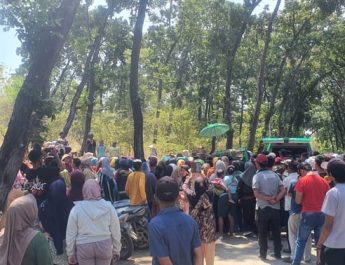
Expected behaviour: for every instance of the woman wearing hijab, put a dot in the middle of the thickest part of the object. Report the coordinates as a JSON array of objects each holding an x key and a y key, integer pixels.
[
  {"x": 202, "y": 212},
  {"x": 220, "y": 165},
  {"x": 106, "y": 180},
  {"x": 19, "y": 242},
  {"x": 53, "y": 214},
  {"x": 77, "y": 182},
  {"x": 87, "y": 170},
  {"x": 93, "y": 234}
]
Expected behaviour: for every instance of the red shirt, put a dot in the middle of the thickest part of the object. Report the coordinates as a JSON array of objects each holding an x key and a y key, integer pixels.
[{"x": 314, "y": 189}]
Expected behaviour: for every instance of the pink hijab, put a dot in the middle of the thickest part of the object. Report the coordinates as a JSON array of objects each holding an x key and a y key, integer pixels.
[
  {"x": 91, "y": 190},
  {"x": 18, "y": 232}
]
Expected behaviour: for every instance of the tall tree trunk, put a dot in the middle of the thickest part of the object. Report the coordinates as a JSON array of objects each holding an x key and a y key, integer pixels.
[
  {"x": 133, "y": 83},
  {"x": 28, "y": 109},
  {"x": 229, "y": 74},
  {"x": 61, "y": 78},
  {"x": 158, "y": 111},
  {"x": 91, "y": 57},
  {"x": 89, "y": 106},
  {"x": 261, "y": 79}
]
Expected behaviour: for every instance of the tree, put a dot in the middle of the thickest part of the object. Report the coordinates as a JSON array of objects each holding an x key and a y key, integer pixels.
[
  {"x": 133, "y": 85},
  {"x": 261, "y": 78},
  {"x": 32, "y": 101}
]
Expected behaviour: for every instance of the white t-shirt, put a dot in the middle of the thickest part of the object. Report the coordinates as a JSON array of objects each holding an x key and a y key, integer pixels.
[
  {"x": 286, "y": 183},
  {"x": 333, "y": 205}
]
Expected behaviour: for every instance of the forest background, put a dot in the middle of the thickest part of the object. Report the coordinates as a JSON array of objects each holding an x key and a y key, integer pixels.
[{"x": 274, "y": 72}]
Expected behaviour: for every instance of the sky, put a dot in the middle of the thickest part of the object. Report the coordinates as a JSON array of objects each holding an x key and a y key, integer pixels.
[{"x": 9, "y": 41}]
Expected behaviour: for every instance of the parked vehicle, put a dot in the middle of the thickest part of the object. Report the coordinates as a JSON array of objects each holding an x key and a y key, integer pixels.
[
  {"x": 295, "y": 146},
  {"x": 127, "y": 235},
  {"x": 137, "y": 220}
]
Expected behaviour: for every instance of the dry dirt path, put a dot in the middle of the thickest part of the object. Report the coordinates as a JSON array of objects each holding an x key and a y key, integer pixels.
[{"x": 234, "y": 251}]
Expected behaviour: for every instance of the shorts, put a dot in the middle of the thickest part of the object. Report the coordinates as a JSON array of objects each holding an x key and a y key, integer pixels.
[{"x": 225, "y": 207}]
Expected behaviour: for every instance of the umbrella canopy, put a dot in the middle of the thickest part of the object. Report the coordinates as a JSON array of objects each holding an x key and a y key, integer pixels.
[{"x": 215, "y": 129}]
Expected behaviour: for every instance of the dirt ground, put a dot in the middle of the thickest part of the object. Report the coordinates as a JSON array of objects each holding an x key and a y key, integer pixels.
[{"x": 231, "y": 251}]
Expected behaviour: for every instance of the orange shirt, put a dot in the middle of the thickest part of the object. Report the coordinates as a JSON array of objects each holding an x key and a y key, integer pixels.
[{"x": 135, "y": 188}]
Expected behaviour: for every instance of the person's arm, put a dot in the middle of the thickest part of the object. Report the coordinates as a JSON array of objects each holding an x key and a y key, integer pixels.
[
  {"x": 115, "y": 232},
  {"x": 165, "y": 261},
  {"x": 198, "y": 257},
  {"x": 299, "y": 197},
  {"x": 71, "y": 234},
  {"x": 261, "y": 196},
  {"x": 185, "y": 186},
  {"x": 326, "y": 230},
  {"x": 142, "y": 191}
]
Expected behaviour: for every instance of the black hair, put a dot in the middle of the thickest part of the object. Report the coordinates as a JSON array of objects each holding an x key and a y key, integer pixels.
[
  {"x": 293, "y": 166},
  {"x": 137, "y": 164},
  {"x": 35, "y": 155},
  {"x": 265, "y": 153},
  {"x": 319, "y": 159},
  {"x": 305, "y": 155},
  {"x": 336, "y": 168},
  {"x": 76, "y": 162},
  {"x": 270, "y": 161},
  {"x": 305, "y": 166},
  {"x": 153, "y": 161}
]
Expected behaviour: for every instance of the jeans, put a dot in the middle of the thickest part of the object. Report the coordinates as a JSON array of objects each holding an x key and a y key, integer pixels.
[
  {"x": 293, "y": 223},
  {"x": 309, "y": 222},
  {"x": 269, "y": 219}
]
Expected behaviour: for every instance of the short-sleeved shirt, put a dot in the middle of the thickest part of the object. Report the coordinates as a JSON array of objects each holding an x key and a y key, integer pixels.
[
  {"x": 268, "y": 183},
  {"x": 333, "y": 205},
  {"x": 286, "y": 183},
  {"x": 295, "y": 207},
  {"x": 175, "y": 235},
  {"x": 314, "y": 189}
]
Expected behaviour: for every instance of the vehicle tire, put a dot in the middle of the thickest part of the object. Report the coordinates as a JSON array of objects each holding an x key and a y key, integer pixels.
[
  {"x": 127, "y": 247},
  {"x": 143, "y": 237}
]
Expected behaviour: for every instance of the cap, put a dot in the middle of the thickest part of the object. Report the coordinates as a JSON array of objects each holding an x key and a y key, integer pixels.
[
  {"x": 261, "y": 159},
  {"x": 278, "y": 160},
  {"x": 167, "y": 189}
]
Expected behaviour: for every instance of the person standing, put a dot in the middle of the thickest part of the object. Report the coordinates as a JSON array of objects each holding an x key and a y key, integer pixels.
[
  {"x": 268, "y": 190},
  {"x": 331, "y": 245},
  {"x": 93, "y": 235},
  {"x": 114, "y": 150},
  {"x": 150, "y": 183},
  {"x": 20, "y": 243},
  {"x": 101, "y": 149},
  {"x": 310, "y": 193},
  {"x": 202, "y": 212},
  {"x": 173, "y": 236},
  {"x": 135, "y": 186},
  {"x": 90, "y": 144}
]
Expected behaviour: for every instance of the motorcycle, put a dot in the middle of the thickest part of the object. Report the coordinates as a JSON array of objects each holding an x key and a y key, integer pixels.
[
  {"x": 137, "y": 220},
  {"x": 127, "y": 246}
]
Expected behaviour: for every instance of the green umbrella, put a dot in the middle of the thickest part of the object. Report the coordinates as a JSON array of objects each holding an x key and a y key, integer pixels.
[{"x": 214, "y": 130}]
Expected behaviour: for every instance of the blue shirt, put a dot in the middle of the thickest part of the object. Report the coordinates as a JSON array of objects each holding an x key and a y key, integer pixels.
[
  {"x": 295, "y": 208},
  {"x": 175, "y": 235}
]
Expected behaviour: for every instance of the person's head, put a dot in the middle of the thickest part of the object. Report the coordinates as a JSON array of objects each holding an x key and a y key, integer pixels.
[
  {"x": 124, "y": 163},
  {"x": 304, "y": 168},
  {"x": 292, "y": 167},
  {"x": 261, "y": 161},
  {"x": 77, "y": 182},
  {"x": 76, "y": 163},
  {"x": 101, "y": 142},
  {"x": 167, "y": 191},
  {"x": 90, "y": 135},
  {"x": 91, "y": 190},
  {"x": 319, "y": 159},
  {"x": 205, "y": 168},
  {"x": 304, "y": 156},
  {"x": 67, "y": 162},
  {"x": 153, "y": 162},
  {"x": 336, "y": 169},
  {"x": 226, "y": 161},
  {"x": 200, "y": 186},
  {"x": 137, "y": 164},
  {"x": 62, "y": 135},
  {"x": 271, "y": 161},
  {"x": 114, "y": 144},
  {"x": 35, "y": 156}
]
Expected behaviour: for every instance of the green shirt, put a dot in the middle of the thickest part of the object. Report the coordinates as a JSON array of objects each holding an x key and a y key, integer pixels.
[{"x": 37, "y": 253}]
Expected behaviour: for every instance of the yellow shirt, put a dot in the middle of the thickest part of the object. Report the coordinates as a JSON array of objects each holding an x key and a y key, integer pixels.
[
  {"x": 135, "y": 188},
  {"x": 65, "y": 175}
]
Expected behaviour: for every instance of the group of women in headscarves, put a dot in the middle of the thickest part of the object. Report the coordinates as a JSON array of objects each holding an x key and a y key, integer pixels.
[{"x": 49, "y": 216}]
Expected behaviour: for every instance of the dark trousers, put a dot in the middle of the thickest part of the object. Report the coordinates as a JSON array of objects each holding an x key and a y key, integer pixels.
[
  {"x": 248, "y": 210},
  {"x": 269, "y": 219},
  {"x": 332, "y": 256}
]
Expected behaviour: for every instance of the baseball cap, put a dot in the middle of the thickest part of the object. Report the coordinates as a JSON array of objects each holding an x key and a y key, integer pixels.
[
  {"x": 261, "y": 159},
  {"x": 167, "y": 189}
]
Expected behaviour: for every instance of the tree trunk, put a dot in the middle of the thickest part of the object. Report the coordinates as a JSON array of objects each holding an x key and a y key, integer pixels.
[
  {"x": 229, "y": 74},
  {"x": 261, "y": 79},
  {"x": 92, "y": 56},
  {"x": 158, "y": 111},
  {"x": 61, "y": 78},
  {"x": 28, "y": 109},
  {"x": 133, "y": 84},
  {"x": 213, "y": 144}
]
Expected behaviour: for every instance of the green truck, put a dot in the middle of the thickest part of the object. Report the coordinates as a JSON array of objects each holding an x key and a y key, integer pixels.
[{"x": 295, "y": 146}]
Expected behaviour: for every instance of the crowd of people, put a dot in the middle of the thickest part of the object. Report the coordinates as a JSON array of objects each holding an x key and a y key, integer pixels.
[{"x": 60, "y": 210}]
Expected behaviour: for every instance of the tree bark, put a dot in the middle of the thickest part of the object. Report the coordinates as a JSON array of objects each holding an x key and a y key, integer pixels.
[
  {"x": 133, "y": 84},
  {"x": 61, "y": 78},
  {"x": 261, "y": 79},
  {"x": 28, "y": 109},
  {"x": 229, "y": 74},
  {"x": 90, "y": 60}
]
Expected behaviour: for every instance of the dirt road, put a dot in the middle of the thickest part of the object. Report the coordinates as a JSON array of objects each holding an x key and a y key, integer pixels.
[{"x": 237, "y": 250}]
